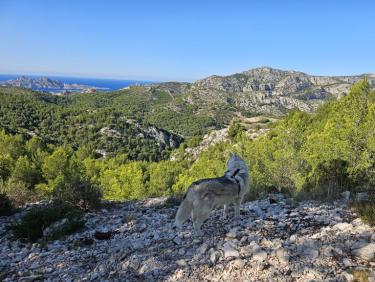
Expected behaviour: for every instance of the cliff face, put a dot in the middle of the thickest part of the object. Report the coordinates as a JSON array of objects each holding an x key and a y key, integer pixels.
[
  {"x": 267, "y": 91},
  {"x": 274, "y": 82}
]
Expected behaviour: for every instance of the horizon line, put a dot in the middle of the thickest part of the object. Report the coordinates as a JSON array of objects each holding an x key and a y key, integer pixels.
[{"x": 122, "y": 78}]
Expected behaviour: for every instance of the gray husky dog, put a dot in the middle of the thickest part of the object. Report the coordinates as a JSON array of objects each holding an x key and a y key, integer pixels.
[{"x": 206, "y": 194}]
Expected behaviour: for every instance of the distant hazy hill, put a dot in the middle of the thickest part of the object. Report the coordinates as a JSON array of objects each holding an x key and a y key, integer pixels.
[{"x": 43, "y": 83}]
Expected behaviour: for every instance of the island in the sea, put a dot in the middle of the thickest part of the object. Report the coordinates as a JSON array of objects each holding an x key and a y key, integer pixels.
[{"x": 49, "y": 85}]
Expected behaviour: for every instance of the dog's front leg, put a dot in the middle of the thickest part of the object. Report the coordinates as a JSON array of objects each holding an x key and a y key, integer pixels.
[
  {"x": 225, "y": 211},
  {"x": 237, "y": 207}
]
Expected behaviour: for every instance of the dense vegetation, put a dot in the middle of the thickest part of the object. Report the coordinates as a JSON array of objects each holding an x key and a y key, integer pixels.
[
  {"x": 317, "y": 154},
  {"x": 125, "y": 116}
]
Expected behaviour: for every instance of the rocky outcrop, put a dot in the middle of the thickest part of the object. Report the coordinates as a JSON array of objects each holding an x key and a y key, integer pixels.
[
  {"x": 209, "y": 139},
  {"x": 163, "y": 136},
  {"x": 273, "y": 240},
  {"x": 269, "y": 82},
  {"x": 266, "y": 90}
]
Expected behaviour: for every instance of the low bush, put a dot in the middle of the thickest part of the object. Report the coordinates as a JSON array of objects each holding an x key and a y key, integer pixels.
[
  {"x": 194, "y": 141},
  {"x": 37, "y": 220},
  {"x": 6, "y": 206},
  {"x": 18, "y": 193},
  {"x": 360, "y": 275},
  {"x": 80, "y": 194},
  {"x": 235, "y": 129},
  {"x": 366, "y": 209}
]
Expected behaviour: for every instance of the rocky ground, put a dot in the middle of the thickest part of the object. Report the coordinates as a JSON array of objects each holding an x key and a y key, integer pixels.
[{"x": 274, "y": 240}]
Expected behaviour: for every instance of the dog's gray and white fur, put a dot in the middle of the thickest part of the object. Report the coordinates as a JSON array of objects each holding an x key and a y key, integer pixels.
[{"x": 206, "y": 194}]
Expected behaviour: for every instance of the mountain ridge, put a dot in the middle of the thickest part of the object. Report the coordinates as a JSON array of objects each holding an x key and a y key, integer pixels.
[{"x": 266, "y": 90}]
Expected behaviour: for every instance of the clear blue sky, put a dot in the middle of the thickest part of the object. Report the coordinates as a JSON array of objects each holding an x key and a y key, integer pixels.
[{"x": 185, "y": 40}]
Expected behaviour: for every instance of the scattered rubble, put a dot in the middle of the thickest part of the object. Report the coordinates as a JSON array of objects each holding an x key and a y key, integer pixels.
[{"x": 137, "y": 241}]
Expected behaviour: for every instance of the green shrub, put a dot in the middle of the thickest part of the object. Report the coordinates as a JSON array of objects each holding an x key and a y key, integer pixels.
[
  {"x": 6, "y": 206},
  {"x": 32, "y": 225},
  {"x": 235, "y": 129},
  {"x": 193, "y": 141},
  {"x": 80, "y": 194},
  {"x": 366, "y": 209},
  {"x": 18, "y": 193}
]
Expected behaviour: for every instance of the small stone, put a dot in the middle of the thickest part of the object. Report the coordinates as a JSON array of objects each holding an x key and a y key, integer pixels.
[
  {"x": 347, "y": 277},
  {"x": 142, "y": 227},
  {"x": 229, "y": 250},
  {"x": 181, "y": 251},
  {"x": 34, "y": 266},
  {"x": 48, "y": 269},
  {"x": 282, "y": 255},
  {"x": 364, "y": 250},
  {"x": 243, "y": 239},
  {"x": 347, "y": 262},
  {"x": 94, "y": 275},
  {"x": 177, "y": 240},
  {"x": 343, "y": 226},
  {"x": 357, "y": 222},
  {"x": 238, "y": 263},
  {"x": 310, "y": 253},
  {"x": 138, "y": 244},
  {"x": 181, "y": 262},
  {"x": 214, "y": 257},
  {"x": 55, "y": 227},
  {"x": 328, "y": 251},
  {"x": 197, "y": 241},
  {"x": 293, "y": 238},
  {"x": 259, "y": 255},
  {"x": 231, "y": 234},
  {"x": 202, "y": 249}
]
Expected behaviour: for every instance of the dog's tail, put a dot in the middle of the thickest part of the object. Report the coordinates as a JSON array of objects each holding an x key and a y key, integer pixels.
[{"x": 184, "y": 211}]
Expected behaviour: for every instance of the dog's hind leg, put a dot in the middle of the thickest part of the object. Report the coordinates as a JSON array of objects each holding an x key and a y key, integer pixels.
[
  {"x": 201, "y": 212},
  {"x": 196, "y": 223}
]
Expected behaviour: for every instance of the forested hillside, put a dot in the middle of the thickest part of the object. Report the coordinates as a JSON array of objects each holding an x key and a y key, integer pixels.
[
  {"x": 111, "y": 122},
  {"x": 314, "y": 154},
  {"x": 147, "y": 122}
]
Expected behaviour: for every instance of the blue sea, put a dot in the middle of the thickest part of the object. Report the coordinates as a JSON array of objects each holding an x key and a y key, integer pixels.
[{"x": 103, "y": 84}]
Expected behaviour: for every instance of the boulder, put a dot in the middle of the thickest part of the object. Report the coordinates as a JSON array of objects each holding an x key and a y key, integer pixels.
[
  {"x": 55, "y": 227},
  {"x": 364, "y": 250}
]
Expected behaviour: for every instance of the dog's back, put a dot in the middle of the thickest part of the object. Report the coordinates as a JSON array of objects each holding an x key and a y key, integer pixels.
[{"x": 219, "y": 187}]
